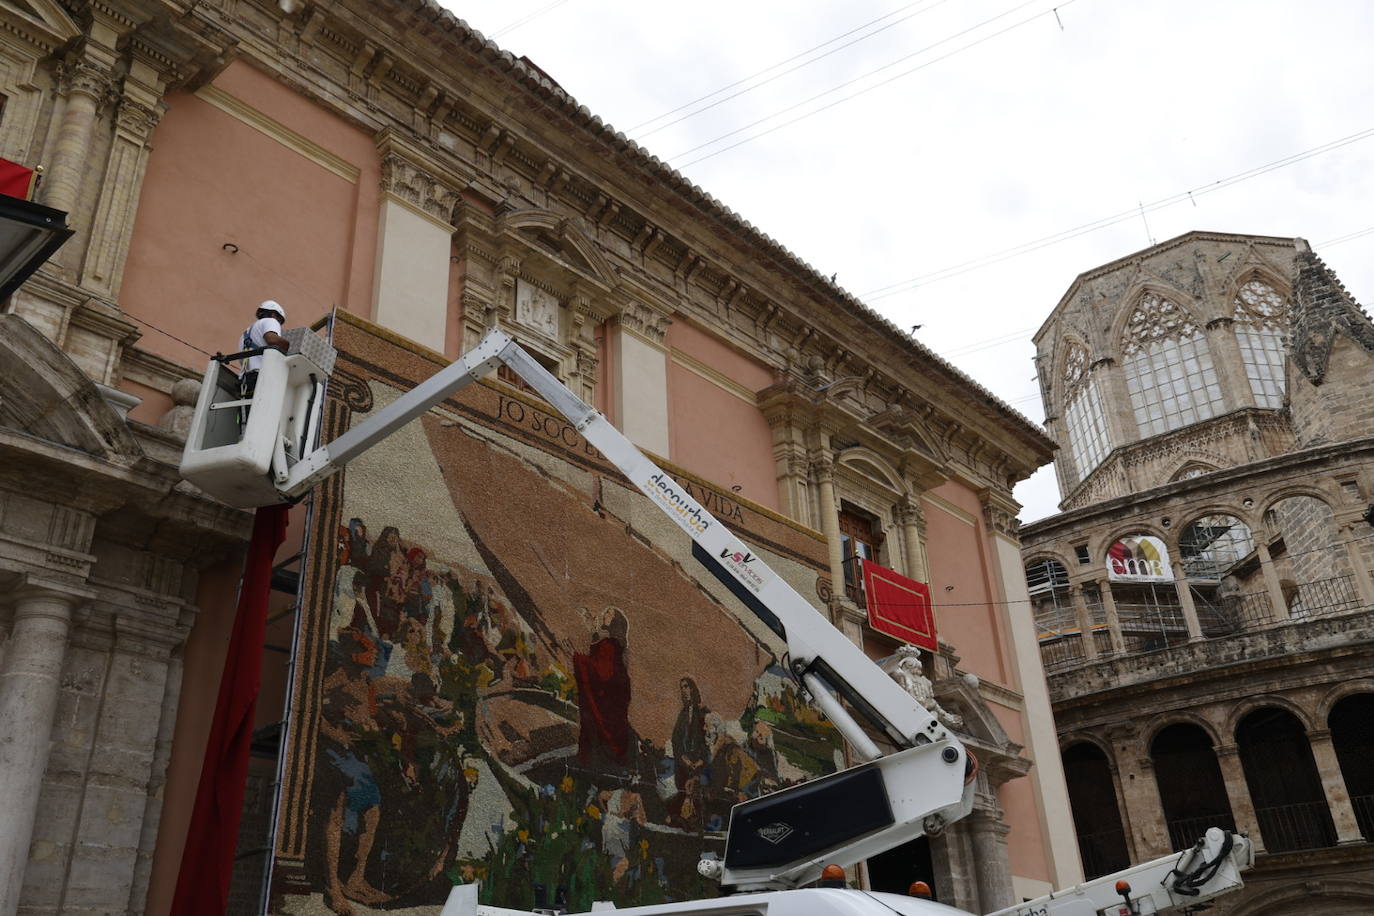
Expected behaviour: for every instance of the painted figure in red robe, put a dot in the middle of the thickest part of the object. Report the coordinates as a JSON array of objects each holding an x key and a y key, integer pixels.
[{"x": 603, "y": 694}]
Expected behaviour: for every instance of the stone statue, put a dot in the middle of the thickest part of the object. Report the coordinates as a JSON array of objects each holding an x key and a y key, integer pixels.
[{"x": 909, "y": 673}]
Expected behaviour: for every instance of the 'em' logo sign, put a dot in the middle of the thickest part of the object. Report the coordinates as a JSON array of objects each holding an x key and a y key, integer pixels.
[{"x": 1139, "y": 558}]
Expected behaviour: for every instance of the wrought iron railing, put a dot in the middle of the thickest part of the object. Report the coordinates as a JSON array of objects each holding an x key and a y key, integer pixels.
[
  {"x": 1186, "y": 831},
  {"x": 1103, "y": 853},
  {"x": 1289, "y": 828},
  {"x": 1364, "y": 815},
  {"x": 1149, "y": 627},
  {"x": 1324, "y": 598}
]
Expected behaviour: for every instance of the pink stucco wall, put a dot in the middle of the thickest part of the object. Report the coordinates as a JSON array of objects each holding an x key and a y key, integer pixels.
[
  {"x": 305, "y": 236},
  {"x": 964, "y": 614},
  {"x": 712, "y": 432},
  {"x": 1026, "y": 846}
]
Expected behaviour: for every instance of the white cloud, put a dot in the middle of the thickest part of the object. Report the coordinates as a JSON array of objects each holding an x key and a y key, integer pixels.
[{"x": 1020, "y": 136}]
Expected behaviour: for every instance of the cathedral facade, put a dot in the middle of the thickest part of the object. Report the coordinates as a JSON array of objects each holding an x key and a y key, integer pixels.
[{"x": 1202, "y": 601}]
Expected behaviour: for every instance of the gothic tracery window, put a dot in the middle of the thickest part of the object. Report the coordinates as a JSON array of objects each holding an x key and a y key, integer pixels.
[
  {"x": 1261, "y": 317},
  {"x": 1089, "y": 439},
  {"x": 1169, "y": 373}
]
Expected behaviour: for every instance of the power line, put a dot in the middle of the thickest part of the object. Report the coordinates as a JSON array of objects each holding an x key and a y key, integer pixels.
[
  {"x": 783, "y": 63},
  {"x": 955, "y": 270},
  {"x": 866, "y": 89},
  {"x": 512, "y": 26}
]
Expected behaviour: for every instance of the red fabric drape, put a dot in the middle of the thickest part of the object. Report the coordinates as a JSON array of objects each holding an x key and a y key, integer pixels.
[
  {"x": 15, "y": 179},
  {"x": 207, "y": 862}
]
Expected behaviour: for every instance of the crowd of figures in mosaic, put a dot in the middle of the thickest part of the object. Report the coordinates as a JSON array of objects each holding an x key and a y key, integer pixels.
[{"x": 536, "y": 705}]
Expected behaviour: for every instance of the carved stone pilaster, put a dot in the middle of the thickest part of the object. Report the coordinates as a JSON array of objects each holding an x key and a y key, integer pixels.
[
  {"x": 79, "y": 77},
  {"x": 645, "y": 321},
  {"x": 415, "y": 185}
]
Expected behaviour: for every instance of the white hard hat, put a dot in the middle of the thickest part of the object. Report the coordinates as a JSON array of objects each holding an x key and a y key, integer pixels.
[{"x": 273, "y": 305}]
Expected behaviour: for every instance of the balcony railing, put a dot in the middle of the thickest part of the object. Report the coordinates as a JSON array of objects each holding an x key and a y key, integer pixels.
[
  {"x": 1324, "y": 598},
  {"x": 1149, "y": 627},
  {"x": 1103, "y": 853},
  {"x": 1184, "y": 832},
  {"x": 1364, "y": 814},
  {"x": 1290, "y": 828}
]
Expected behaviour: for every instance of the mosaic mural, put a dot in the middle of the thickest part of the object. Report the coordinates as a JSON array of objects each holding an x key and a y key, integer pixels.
[{"x": 513, "y": 672}]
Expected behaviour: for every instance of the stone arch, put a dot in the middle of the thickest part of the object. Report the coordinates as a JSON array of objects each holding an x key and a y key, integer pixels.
[
  {"x": 1102, "y": 744},
  {"x": 1151, "y": 731},
  {"x": 1192, "y": 789},
  {"x": 1262, "y": 701},
  {"x": 567, "y": 236},
  {"x": 1328, "y": 700},
  {"x": 1324, "y": 897},
  {"x": 1282, "y": 776},
  {"x": 1193, "y": 456},
  {"x": 1095, "y": 806},
  {"x": 44, "y": 394},
  {"x": 1097, "y": 546},
  {"x": 859, "y": 457},
  {"x": 1289, "y": 490},
  {"x": 1184, "y": 300},
  {"x": 1270, "y": 276},
  {"x": 1045, "y": 553}
]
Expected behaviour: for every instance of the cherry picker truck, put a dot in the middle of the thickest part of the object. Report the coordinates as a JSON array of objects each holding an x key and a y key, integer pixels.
[{"x": 264, "y": 450}]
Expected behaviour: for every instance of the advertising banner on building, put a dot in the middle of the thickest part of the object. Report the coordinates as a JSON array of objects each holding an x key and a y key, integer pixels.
[
  {"x": 511, "y": 668},
  {"x": 899, "y": 606},
  {"x": 1139, "y": 558}
]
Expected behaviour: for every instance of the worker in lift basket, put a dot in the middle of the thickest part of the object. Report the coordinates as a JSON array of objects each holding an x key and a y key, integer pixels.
[{"x": 264, "y": 332}]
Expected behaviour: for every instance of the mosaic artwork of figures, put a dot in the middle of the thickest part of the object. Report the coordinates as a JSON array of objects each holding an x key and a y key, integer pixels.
[{"x": 462, "y": 738}]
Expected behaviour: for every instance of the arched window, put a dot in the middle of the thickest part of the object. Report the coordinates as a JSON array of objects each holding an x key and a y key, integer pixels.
[
  {"x": 1191, "y": 787},
  {"x": 1096, "y": 817},
  {"x": 1352, "y": 733},
  {"x": 1261, "y": 318},
  {"x": 1290, "y": 803},
  {"x": 1052, "y": 609},
  {"x": 1213, "y": 544},
  {"x": 1086, "y": 421},
  {"x": 1169, "y": 373},
  {"x": 1192, "y": 469}
]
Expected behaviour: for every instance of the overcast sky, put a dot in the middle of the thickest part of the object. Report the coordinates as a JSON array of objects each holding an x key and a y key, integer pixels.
[{"x": 949, "y": 131}]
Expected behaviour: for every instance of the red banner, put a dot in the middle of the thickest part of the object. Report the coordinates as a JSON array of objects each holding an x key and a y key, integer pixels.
[
  {"x": 899, "y": 606},
  {"x": 15, "y": 180},
  {"x": 207, "y": 860}
]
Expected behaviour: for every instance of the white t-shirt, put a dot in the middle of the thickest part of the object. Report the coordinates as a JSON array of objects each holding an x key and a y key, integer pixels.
[{"x": 256, "y": 336}]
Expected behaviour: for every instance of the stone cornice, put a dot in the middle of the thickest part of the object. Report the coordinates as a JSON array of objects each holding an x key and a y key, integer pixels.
[
  {"x": 450, "y": 50},
  {"x": 1287, "y": 466}
]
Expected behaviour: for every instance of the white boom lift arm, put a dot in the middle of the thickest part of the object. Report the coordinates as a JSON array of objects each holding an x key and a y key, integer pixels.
[{"x": 776, "y": 842}]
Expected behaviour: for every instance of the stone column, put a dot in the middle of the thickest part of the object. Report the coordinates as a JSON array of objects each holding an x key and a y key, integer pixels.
[
  {"x": 1278, "y": 607},
  {"x": 1144, "y": 810},
  {"x": 1238, "y": 793},
  {"x": 824, "y": 470},
  {"x": 993, "y": 867},
  {"x": 912, "y": 522},
  {"x": 29, "y": 682},
  {"x": 1333, "y": 785},
  {"x": 84, "y": 86},
  {"x": 1085, "y": 622},
  {"x": 1230, "y": 367},
  {"x": 1185, "y": 599},
  {"x": 1104, "y": 588},
  {"x": 953, "y": 865}
]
